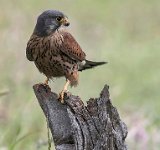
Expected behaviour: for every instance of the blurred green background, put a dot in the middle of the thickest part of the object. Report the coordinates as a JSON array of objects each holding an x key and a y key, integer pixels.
[{"x": 125, "y": 33}]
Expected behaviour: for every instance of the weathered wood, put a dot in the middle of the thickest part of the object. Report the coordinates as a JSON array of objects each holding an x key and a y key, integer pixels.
[{"x": 75, "y": 126}]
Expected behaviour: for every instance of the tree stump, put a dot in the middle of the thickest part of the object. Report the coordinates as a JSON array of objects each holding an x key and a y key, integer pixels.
[{"x": 75, "y": 126}]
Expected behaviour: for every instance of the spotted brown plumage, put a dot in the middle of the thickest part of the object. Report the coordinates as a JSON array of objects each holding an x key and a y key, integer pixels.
[{"x": 54, "y": 51}]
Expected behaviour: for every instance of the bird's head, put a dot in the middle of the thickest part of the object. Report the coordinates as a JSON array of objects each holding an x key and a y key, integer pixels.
[{"x": 49, "y": 21}]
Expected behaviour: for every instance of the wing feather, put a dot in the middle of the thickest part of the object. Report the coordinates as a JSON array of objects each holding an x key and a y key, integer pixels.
[
  {"x": 71, "y": 48},
  {"x": 31, "y": 49},
  {"x": 37, "y": 46},
  {"x": 67, "y": 47}
]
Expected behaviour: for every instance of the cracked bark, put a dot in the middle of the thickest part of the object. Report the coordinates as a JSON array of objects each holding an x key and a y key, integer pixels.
[{"x": 75, "y": 126}]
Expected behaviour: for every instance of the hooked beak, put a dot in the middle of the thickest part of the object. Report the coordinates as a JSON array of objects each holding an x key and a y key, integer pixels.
[{"x": 65, "y": 21}]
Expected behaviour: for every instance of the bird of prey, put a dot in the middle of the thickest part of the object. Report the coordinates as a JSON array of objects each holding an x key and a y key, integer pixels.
[{"x": 55, "y": 52}]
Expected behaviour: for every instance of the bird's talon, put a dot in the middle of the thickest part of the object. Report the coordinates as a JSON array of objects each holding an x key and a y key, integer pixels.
[
  {"x": 46, "y": 81},
  {"x": 61, "y": 97}
]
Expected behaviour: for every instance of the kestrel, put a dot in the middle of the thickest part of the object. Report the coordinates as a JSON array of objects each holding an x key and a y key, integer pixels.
[{"x": 55, "y": 52}]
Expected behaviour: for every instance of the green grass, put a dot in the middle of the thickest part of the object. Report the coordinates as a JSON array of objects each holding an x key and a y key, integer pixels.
[{"x": 124, "y": 33}]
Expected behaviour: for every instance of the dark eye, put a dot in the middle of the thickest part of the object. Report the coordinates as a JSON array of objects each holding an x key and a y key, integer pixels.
[{"x": 59, "y": 18}]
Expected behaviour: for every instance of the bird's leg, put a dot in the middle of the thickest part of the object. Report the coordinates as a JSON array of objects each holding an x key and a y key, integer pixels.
[
  {"x": 46, "y": 81},
  {"x": 61, "y": 95}
]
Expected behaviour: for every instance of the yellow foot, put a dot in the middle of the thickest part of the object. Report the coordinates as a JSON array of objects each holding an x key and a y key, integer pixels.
[
  {"x": 61, "y": 95},
  {"x": 46, "y": 81}
]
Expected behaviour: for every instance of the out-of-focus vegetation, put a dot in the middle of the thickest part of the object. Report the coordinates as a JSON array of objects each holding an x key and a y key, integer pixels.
[{"x": 125, "y": 33}]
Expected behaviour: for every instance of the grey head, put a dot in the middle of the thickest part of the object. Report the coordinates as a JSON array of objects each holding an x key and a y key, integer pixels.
[{"x": 49, "y": 21}]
